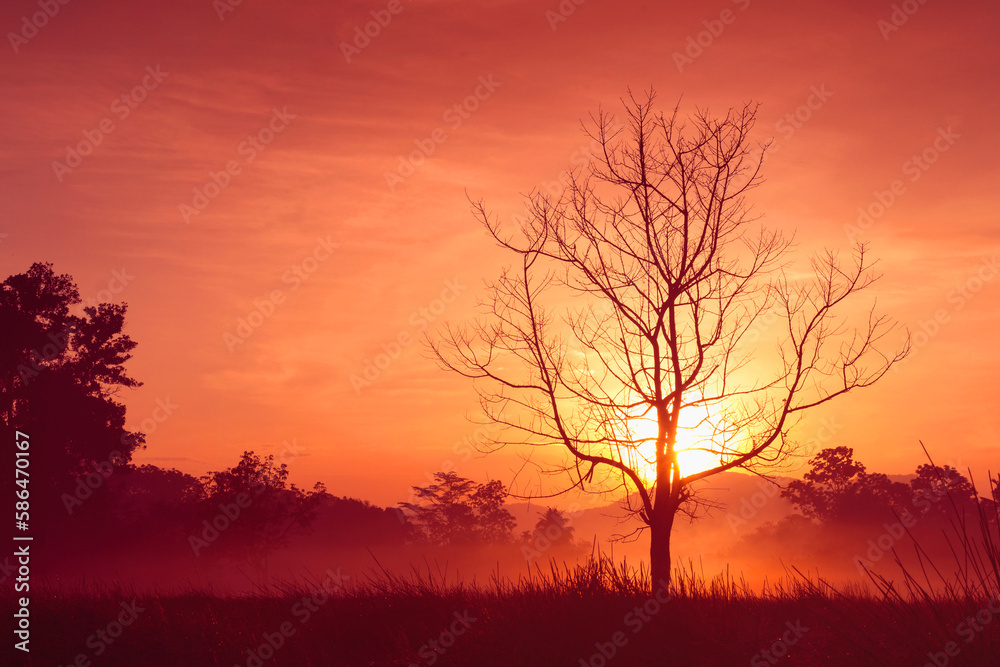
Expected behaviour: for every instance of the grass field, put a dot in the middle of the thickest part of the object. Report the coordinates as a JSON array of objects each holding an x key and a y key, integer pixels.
[
  {"x": 602, "y": 612},
  {"x": 597, "y": 614}
]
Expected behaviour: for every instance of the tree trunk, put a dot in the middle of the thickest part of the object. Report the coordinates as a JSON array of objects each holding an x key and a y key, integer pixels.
[{"x": 659, "y": 546}]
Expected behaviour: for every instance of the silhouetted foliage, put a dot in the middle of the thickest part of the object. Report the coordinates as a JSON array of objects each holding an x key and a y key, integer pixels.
[
  {"x": 143, "y": 507},
  {"x": 352, "y": 523},
  {"x": 838, "y": 489},
  {"x": 59, "y": 373},
  {"x": 150, "y": 494},
  {"x": 456, "y": 510},
  {"x": 939, "y": 492},
  {"x": 248, "y": 511},
  {"x": 552, "y": 536},
  {"x": 554, "y": 520}
]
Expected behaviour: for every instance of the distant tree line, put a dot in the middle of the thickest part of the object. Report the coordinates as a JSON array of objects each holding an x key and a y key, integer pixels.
[
  {"x": 62, "y": 365},
  {"x": 845, "y": 513},
  {"x": 838, "y": 489},
  {"x": 454, "y": 511}
]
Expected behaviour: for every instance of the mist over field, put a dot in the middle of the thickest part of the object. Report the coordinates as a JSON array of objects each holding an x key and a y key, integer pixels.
[{"x": 742, "y": 527}]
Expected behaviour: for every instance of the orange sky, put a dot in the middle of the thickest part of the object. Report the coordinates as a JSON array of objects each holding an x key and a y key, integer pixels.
[{"x": 315, "y": 188}]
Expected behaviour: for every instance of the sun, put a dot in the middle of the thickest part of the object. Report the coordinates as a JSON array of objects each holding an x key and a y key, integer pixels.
[{"x": 693, "y": 439}]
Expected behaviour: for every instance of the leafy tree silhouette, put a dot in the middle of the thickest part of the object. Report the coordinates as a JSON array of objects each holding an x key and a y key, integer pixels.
[
  {"x": 261, "y": 509},
  {"x": 146, "y": 508},
  {"x": 551, "y": 535},
  {"x": 148, "y": 495},
  {"x": 351, "y": 523},
  {"x": 59, "y": 374},
  {"x": 940, "y": 491},
  {"x": 455, "y": 510},
  {"x": 553, "y": 522},
  {"x": 839, "y": 489}
]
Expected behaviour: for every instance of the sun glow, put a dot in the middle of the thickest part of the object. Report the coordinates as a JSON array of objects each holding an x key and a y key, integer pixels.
[{"x": 694, "y": 439}]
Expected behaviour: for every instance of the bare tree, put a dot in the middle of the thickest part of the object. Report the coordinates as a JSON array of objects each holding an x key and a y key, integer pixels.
[{"x": 660, "y": 273}]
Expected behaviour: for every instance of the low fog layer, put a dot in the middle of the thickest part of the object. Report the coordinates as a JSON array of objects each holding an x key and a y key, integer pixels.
[{"x": 244, "y": 527}]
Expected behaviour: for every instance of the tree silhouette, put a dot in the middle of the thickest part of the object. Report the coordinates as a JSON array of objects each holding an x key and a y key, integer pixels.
[
  {"x": 554, "y": 521},
  {"x": 59, "y": 373},
  {"x": 253, "y": 511},
  {"x": 353, "y": 523},
  {"x": 455, "y": 510},
  {"x": 145, "y": 507},
  {"x": 660, "y": 271},
  {"x": 941, "y": 491},
  {"x": 552, "y": 533},
  {"x": 151, "y": 495},
  {"x": 839, "y": 489}
]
